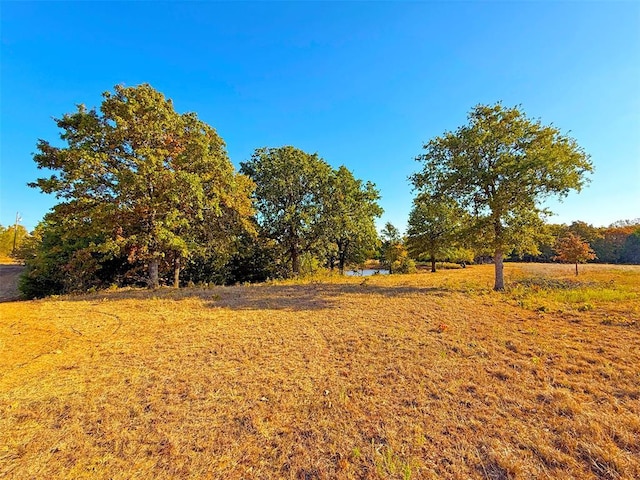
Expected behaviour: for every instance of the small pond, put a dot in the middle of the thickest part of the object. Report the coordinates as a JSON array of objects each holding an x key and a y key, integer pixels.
[{"x": 366, "y": 272}]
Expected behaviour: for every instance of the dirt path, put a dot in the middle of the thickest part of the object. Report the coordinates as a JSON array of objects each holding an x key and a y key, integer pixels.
[{"x": 9, "y": 275}]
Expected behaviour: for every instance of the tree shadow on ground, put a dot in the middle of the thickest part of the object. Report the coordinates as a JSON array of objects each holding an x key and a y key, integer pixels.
[
  {"x": 313, "y": 296},
  {"x": 309, "y": 297}
]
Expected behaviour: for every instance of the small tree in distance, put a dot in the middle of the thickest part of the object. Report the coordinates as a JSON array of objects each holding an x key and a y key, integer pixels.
[
  {"x": 435, "y": 228},
  {"x": 395, "y": 256},
  {"x": 572, "y": 249},
  {"x": 391, "y": 240}
]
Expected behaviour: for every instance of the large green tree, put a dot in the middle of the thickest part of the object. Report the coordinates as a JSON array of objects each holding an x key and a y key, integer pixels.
[
  {"x": 150, "y": 182},
  {"x": 501, "y": 167},
  {"x": 349, "y": 213},
  {"x": 436, "y": 228},
  {"x": 290, "y": 189}
]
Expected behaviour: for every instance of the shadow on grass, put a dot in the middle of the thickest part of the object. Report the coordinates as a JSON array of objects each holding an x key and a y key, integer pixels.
[
  {"x": 309, "y": 297},
  {"x": 315, "y": 296}
]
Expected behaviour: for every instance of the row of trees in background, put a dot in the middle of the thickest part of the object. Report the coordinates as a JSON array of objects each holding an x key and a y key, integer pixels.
[
  {"x": 257, "y": 257},
  {"x": 617, "y": 243},
  {"x": 148, "y": 195}
]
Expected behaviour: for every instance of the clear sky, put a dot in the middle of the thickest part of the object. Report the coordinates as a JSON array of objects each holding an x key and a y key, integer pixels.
[{"x": 363, "y": 84}]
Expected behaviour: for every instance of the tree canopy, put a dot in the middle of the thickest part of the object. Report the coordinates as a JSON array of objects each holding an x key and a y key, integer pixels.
[
  {"x": 11, "y": 238},
  {"x": 500, "y": 167},
  {"x": 394, "y": 255}
]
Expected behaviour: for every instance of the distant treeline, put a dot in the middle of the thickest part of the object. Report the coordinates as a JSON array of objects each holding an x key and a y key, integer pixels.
[{"x": 617, "y": 243}]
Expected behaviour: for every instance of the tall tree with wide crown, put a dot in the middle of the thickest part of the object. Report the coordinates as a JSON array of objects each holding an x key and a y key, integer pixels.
[
  {"x": 156, "y": 184},
  {"x": 500, "y": 167}
]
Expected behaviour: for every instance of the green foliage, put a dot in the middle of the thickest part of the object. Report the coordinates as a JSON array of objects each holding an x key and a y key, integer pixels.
[
  {"x": 500, "y": 167},
  {"x": 148, "y": 183},
  {"x": 460, "y": 255},
  {"x": 309, "y": 209},
  {"x": 43, "y": 254},
  {"x": 390, "y": 234},
  {"x": 10, "y": 237},
  {"x": 257, "y": 259},
  {"x": 612, "y": 244},
  {"x": 62, "y": 256},
  {"x": 631, "y": 250},
  {"x": 585, "y": 231},
  {"x": 391, "y": 246},
  {"x": 403, "y": 264},
  {"x": 289, "y": 190},
  {"x": 348, "y": 224},
  {"x": 436, "y": 229},
  {"x": 395, "y": 256},
  {"x": 309, "y": 264}
]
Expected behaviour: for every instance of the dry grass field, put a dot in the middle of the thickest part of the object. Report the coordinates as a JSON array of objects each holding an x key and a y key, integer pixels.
[{"x": 418, "y": 376}]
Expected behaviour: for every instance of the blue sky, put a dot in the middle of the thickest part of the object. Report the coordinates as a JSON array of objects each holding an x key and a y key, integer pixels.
[{"x": 363, "y": 84}]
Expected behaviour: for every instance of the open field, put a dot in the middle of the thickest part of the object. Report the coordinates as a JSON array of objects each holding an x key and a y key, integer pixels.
[{"x": 417, "y": 376}]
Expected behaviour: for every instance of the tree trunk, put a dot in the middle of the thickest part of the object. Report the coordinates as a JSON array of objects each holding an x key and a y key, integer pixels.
[
  {"x": 154, "y": 281},
  {"x": 498, "y": 261},
  {"x": 176, "y": 272},
  {"x": 341, "y": 262},
  {"x": 295, "y": 261},
  {"x": 340, "y": 256},
  {"x": 433, "y": 264},
  {"x": 576, "y": 269}
]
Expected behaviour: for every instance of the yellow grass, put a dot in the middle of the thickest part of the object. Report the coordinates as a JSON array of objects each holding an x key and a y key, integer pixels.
[{"x": 421, "y": 376}]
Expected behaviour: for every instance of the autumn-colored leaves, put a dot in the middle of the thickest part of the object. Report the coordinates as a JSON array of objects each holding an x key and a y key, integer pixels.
[{"x": 572, "y": 249}]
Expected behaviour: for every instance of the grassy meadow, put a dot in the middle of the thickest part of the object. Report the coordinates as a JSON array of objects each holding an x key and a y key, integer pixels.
[{"x": 403, "y": 376}]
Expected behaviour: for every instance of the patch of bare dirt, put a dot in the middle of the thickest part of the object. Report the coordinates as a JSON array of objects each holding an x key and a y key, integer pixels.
[{"x": 9, "y": 275}]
